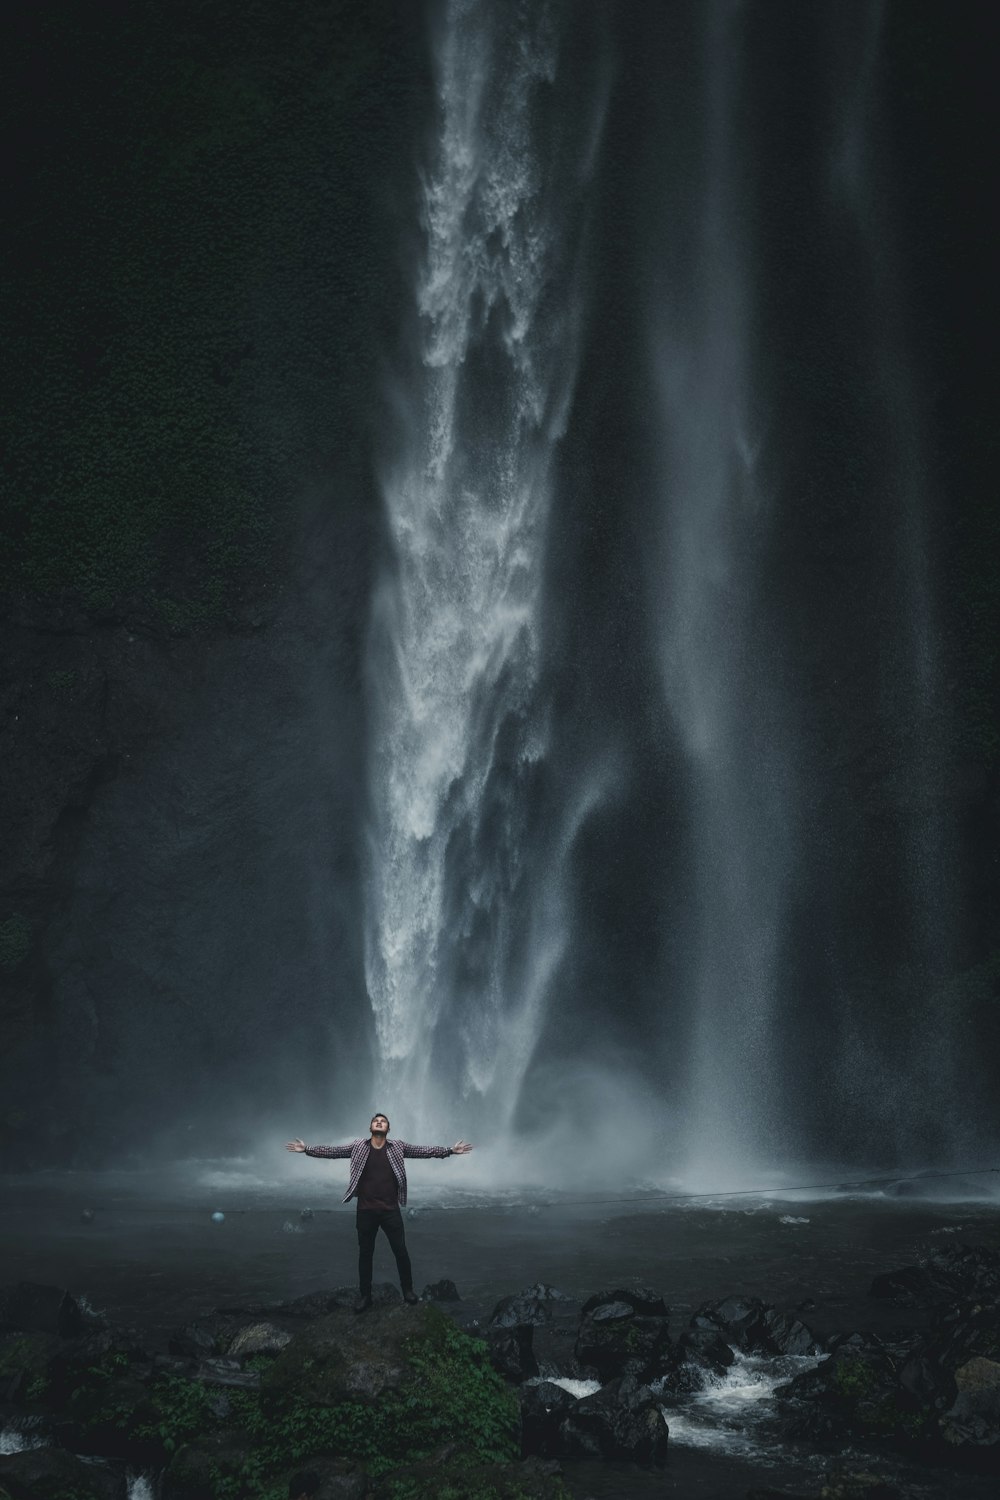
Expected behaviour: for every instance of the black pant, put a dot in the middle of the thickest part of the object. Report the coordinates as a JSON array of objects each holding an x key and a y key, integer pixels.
[{"x": 390, "y": 1221}]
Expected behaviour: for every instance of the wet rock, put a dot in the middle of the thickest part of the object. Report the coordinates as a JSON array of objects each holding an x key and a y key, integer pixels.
[
  {"x": 613, "y": 1337},
  {"x": 972, "y": 1422},
  {"x": 544, "y": 1405},
  {"x": 258, "y": 1338},
  {"x": 855, "y": 1390},
  {"x": 752, "y": 1325},
  {"x": 225, "y": 1371},
  {"x": 320, "y": 1304},
  {"x": 519, "y": 1311},
  {"x": 51, "y": 1474},
  {"x": 37, "y": 1308},
  {"x": 954, "y": 1274},
  {"x": 173, "y": 1364},
  {"x": 706, "y": 1349},
  {"x": 441, "y": 1291},
  {"x": 511, "y": 1353},
  {"x": 621, "y": 1421},
  {"x": 546, "y": 1293},
  {"x": 700, "y": 1355},
  {"x": 345, "y": 1358},
  {"x": 203, "y": 1338},
  {"x": 641, "y": 1299}
]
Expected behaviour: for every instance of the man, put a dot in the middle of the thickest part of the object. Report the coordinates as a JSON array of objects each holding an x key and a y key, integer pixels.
[{"x": 378, "y": 1181}]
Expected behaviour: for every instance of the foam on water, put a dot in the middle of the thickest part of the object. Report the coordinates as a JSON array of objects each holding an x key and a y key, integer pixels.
[{"x": 727, "y": 1412}]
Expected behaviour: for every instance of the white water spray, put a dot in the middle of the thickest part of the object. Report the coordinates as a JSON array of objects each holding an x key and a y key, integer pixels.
[
  {"x": 462, "y": 936},
  {"x": 716, "y": 663}
]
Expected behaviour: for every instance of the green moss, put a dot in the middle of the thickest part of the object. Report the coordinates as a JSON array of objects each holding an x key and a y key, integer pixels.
[
  {"x": 15, "y": 941},
  {"x": 453, "y": 1396},
  {"x": 854, "y": 1379}
]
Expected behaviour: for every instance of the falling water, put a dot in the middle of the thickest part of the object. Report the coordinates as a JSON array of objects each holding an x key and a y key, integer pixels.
[
  {"x": 464, "y": 924},
  {"x": 718, "y": 669},
  {"x": 911, "y": 686}
]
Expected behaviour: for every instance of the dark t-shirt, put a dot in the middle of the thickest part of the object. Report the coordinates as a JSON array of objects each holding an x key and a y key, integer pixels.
[{"x": 377, "y": 1187}]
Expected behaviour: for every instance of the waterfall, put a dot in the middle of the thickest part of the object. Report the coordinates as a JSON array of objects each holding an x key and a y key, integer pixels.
[
  {"x": 927, "y": 1060},
  {"x": 719, "y": 669},
  {"x": 464, "y": 924}
]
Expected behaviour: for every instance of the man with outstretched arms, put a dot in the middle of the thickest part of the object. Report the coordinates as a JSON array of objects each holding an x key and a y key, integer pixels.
[{"x": 378, "y": 1181}]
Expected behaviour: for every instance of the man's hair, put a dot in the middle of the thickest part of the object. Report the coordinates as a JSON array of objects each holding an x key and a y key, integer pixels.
[
  {"x": 380, "y": 1113},
  {"x": 306, "y": 1483}
]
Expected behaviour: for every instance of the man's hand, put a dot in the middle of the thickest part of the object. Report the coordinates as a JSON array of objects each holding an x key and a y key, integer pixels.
[
  {"x": 295, "y": 1145},
  {"x": 460, "y": 1148}
]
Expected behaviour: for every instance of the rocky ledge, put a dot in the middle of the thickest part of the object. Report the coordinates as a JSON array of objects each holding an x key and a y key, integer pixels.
[{"x": 420, "y": 1402}]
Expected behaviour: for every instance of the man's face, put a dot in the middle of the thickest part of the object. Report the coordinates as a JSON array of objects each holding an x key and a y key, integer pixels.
[{"x": 380, "y": 1125}]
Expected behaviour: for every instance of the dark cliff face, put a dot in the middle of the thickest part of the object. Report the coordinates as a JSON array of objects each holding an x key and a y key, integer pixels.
[
  {"x": 204, "y": 272},
  {"x": 210, "y": 258}
]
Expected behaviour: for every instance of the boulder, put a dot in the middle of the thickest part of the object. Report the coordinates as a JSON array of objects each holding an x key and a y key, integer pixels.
[
  {"x": 544, "y": 1405},
  {"x": 699, "y": 1355},
  {"x": 706, "y": 1349},
  {"x": 224, "y": 1371},
  {"x": 519, "y": 1311},
  {"x": 613, "y": 1337},
  {"x": 953, "y": 1274},
  {"x": 854, "y": 1391},
  {"x": 342, "y": 1357},
  {"x": 36, "y": 1308},
  {"x": 641, "y": 1299},
  {"x": 511, "y": 1353},
  {"x": 204, "y": 1337},
  {"x": 623, "y": 1420},
  {"x": 972, "y": 1422},
  {"x": 440, "y": 1291},
  {"x": 258, "y": 1338},
  {"x": 748, "y": 1323}
]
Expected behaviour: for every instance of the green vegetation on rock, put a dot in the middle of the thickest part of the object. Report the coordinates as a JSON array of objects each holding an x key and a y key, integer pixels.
[{"x": 450, "y": 1395}]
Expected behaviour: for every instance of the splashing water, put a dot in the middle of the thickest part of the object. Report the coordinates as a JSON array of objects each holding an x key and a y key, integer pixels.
[{"x": 462, "y": 935}]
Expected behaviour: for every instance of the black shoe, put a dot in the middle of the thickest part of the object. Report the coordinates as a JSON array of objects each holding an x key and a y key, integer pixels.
[
  {"x": 363, "y": 1304},
  {"x": 410, "y": 1296}
]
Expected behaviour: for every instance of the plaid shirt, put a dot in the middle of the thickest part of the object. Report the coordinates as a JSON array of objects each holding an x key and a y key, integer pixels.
[{"x": 358, "y": 1153}]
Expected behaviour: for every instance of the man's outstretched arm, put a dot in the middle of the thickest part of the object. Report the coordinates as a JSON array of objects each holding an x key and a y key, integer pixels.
[
  {"x": 459, "y": 1149},
  {"x": 298, "y": 1145}
]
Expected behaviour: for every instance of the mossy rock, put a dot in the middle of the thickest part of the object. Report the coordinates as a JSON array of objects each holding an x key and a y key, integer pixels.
[
  {"x": 387, "y": 1390},
  {"x": 343, "y": 1357}
]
